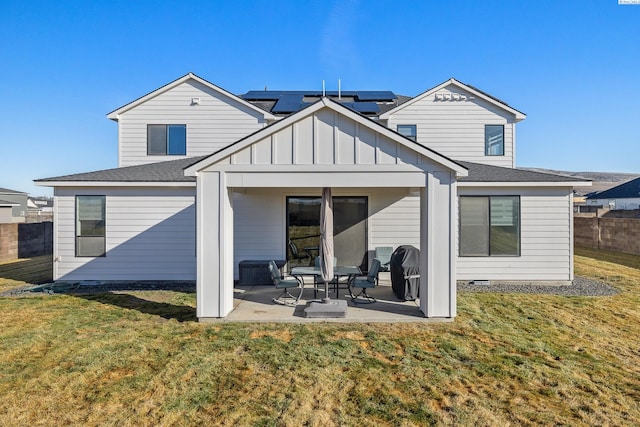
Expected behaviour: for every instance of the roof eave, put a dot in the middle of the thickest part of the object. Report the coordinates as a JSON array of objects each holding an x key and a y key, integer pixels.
[
  {"x": 115, "y": 114},
  {"x": 524, "y": 183},
  {"x": 44, "y": 183}
]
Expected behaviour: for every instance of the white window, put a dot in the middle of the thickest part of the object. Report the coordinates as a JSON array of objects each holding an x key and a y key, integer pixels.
[
  {"x": 90, "y": 226},
  {"x": 167, "y": 140},
  {"x": 494, "y": 140},
  {"x": 489, "y": 226},
  {"x": 409, "y": 131}
]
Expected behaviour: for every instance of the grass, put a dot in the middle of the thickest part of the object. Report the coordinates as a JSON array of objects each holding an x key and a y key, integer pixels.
[
  {"x": 139, "y": 358},
  {"x": 31, "y": 270}
]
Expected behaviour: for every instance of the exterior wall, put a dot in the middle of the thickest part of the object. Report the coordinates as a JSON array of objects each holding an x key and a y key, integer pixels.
[
  {"x": 213, "y": 124},
  {"x": 455, "y": 128},
  {"x": 150, "y": 235},
  {"x": 624, "y": 204},
  {"x": 546, "y": 240},
  {"x": 259, "y": 219}
]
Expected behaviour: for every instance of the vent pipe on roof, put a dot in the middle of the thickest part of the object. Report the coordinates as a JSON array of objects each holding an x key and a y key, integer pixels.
[
  {"x": 323, "y": 88},
  {"x": 339, "y": 92}
]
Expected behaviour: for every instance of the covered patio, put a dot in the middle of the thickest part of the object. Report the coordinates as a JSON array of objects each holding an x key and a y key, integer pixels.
[
  {"x": 254, "y": 304},
  {"x": 242, "y": 193}
]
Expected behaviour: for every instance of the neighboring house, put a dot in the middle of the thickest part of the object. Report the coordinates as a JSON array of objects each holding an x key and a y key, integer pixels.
[
  {"x": 17, "y": 202},
  {"x": 39, "y": 209},
  {"x": 624, "y": 196},
  {"x": 435, "y": 171}
]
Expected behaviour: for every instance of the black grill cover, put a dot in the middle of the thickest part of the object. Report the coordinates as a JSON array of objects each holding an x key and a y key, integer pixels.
[{"x": 405, "y": 271}]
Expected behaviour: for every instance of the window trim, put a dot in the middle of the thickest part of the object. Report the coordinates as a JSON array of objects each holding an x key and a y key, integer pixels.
[
  {"x": 75, "y": 237},
  {"x": 486, "y": 143},
  {"x": 412, "y": 126},
  {"x": 519, "y": 251},
  {"x": 166, "y": 147}
]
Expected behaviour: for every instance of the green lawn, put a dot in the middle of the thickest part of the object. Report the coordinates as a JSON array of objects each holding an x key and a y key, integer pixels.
[{"x": 139, "y": 358}]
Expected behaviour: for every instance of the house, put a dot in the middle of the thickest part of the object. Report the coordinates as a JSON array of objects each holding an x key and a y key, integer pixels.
[
  {"x": 40, "y": 209},
  {"x": 13, "y": 206},
  {"x": 207, "y": 178},
  {"x": 625, "y": 196}
]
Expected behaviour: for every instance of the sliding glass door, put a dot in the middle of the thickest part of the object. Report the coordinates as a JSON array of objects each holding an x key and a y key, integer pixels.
[{"x": 349, "y": 229}]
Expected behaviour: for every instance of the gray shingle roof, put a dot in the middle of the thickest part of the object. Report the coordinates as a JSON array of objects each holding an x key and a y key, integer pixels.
[
  {"x": 173, "y": 171},
  {"x": 628, "y": 190},
  {"x": 169, "y": 171},
  {"x": 7, "y": 191},
  {"x": 486, "y": 173}
]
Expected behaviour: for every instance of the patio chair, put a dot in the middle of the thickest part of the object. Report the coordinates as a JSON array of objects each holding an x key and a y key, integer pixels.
[
  {"x": 383, "y": 254},
  {"x": 284, "y": 283},
  {"x": 366, "y": 282},
  {"x": 297, "y": 255}
]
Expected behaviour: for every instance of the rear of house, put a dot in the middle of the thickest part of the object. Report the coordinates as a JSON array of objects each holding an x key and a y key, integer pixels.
[{"x": 207, "y": 179}]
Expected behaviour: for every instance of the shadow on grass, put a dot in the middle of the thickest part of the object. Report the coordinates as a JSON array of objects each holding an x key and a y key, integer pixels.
[
  {"x": 620, "y": 258},
  {"x": 181, "y": 313},
  {"x": 29, "y": 270}
]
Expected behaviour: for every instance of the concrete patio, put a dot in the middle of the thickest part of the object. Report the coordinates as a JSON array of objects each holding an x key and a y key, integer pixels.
[{"x": 255, "y": 304}]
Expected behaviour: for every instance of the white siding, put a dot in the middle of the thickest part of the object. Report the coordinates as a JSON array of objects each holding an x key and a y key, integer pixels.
[
  {"x": 545, "y": 238},
  {"x": 455, "y": 128},
  {"x": 150, "y": 235},
  {"x": 213, "y": 124},
  {"x": 258, "y": 225},
  {"x": 395, "y": 218},
  {"x": 326, "y": 138},
  {"x": 6, "y": 215}
]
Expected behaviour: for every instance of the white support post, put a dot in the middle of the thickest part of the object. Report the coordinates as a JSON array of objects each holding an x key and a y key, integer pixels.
[
  {"x": 214, "y": 246},
  {"x": 437, "y": 246}
]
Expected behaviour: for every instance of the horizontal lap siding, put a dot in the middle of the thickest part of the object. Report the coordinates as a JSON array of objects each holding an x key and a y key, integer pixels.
[
  {"x": 150, "y": 236},
  {"x": 213, "y": 124},
  {"x": 258, "y": 226},
  {"x": 545, "y": 238},
  {"x": 395, "y": 219},
  {"x": 456, "y": 128}
]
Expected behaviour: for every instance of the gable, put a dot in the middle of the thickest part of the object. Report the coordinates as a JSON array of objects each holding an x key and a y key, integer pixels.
[
  {"x": 455, "y": 92},
  {"x": 326, "y": 134},
  {"x": 192, "y": 78}
]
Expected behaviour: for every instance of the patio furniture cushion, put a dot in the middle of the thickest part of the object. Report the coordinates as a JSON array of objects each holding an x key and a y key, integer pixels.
[{"x": 383, "y": 254}]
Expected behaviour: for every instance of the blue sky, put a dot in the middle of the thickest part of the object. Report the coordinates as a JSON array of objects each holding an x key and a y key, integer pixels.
[{"x": 572, "y": 66}]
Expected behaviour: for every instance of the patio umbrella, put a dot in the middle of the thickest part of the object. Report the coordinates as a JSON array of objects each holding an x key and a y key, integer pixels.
[{"x": 326, "y": 239}]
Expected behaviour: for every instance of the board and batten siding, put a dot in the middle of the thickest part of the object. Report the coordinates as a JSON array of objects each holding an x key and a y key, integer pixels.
[
  {"x": 326, "y": 138},
  {"x": 546, "y": 238},
  {"x": 214, "y": 123},
  {"x": 150, "y": 235},
  {"x": 260, "y": 219},
  {"x": 455, "y": 128}
]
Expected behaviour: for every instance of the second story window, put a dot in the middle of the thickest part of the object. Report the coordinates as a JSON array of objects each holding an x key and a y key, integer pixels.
[
  {"x": 167, "y": 140},
  {"x": 494, "y": 140},
  {"x": 409, "y": 131}
]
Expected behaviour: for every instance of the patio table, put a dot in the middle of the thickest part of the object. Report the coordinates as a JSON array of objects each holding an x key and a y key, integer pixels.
[{"x": 338, "y": 271}]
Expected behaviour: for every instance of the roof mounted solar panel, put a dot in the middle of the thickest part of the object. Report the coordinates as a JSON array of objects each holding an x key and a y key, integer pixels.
[
  {"x": 288, "y": 104},
  {"x": 365, "y": 107},
  {"x": 375, "y": 95}
]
